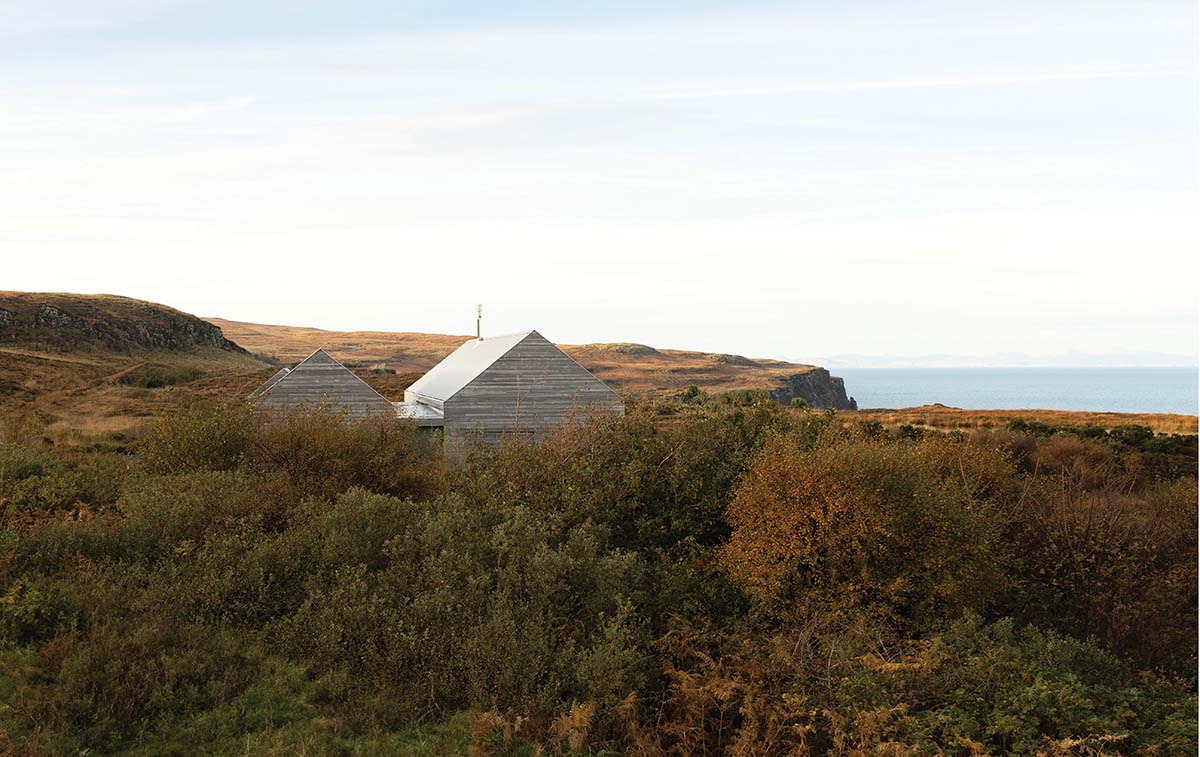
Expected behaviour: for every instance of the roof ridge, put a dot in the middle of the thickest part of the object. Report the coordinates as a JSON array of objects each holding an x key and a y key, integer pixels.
[
  {"x": 526, "y": 332},
  {"x": 337, "y": 362}
]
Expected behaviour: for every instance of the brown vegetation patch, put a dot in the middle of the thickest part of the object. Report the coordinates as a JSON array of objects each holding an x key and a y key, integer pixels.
[{"x": 949, "y": 418}]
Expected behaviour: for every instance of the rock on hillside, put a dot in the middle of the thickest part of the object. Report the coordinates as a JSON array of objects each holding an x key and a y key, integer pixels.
[{"x": 50, "y": 322}]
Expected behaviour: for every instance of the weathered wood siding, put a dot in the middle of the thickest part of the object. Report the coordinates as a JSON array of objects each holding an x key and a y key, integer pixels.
[
  {"x": 275, "y": 377},
  {"x": 322, "y": 381},
  {"x": 531, "y": 388}
]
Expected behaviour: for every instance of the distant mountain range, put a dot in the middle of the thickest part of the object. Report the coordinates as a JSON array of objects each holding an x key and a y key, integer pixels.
[{"x": 1013, "y": 360}]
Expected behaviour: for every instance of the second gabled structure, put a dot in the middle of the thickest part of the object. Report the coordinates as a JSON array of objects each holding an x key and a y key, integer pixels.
[
  {"x": 321, "y": 381},
  {"x": 517, "y": 383}
]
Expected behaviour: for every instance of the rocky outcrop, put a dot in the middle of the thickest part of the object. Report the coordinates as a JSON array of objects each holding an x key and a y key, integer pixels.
[
  {"x": 67, "y": 323},
  {"x": 817, "y": 388}
]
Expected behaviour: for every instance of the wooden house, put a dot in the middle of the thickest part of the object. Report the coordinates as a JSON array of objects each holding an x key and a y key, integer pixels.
[
  {"x": 516, "y": 383},
  {"x": 321, "y": 381},
  {"x": 486, "y": 389}
]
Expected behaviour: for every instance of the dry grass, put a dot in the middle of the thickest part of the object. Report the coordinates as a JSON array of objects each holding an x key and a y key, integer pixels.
[
  {"x": 403, "y": 351},
  {"x": 949, "y": 418},
  {"x": 628, "y": 367},
  {"x": 77, "y": 396}
]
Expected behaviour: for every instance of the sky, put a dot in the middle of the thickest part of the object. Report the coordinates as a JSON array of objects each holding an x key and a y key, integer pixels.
[{"x": 777, "y": 179}]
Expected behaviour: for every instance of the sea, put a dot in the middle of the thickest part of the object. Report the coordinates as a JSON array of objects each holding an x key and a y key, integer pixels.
[{"x": 1122, "y": 390}]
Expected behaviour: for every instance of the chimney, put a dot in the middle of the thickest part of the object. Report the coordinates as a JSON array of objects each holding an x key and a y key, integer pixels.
[{"x": 478, "y": 321}]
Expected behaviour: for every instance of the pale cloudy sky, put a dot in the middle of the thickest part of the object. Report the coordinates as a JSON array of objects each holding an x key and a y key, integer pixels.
[{"x": 778, "y": 179}]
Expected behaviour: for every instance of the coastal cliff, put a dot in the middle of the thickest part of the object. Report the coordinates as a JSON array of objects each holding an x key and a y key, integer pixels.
[{"x": 817, "y": 388}]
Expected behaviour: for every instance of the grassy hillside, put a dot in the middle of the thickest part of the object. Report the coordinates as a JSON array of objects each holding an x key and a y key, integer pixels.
[
  {"x": 628, "y": 367},
  {"x": 78, "y": 367},
  {"x": 60, "y": 322},
  {"x": 89, "y": 365},
  {"x": 86, "y": 367}
]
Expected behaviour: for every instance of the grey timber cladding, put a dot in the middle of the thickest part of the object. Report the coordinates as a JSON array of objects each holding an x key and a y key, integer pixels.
[
  {"x": 319, "y": 380},
  {"x": 530, "y": 387},
  {"x": 269, "y": 383}
]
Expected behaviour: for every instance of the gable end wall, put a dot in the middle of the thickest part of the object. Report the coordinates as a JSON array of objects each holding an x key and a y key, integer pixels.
[{"x": 533, "y": 387}]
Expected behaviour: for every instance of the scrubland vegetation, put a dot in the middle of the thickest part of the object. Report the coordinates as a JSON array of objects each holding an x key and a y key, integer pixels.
[
  {"x": 942, "y": 418},
  {"x": 715, "y": 578}
]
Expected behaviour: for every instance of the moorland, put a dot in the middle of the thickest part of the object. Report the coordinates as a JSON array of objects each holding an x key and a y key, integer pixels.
[{"x": 713, "y": 573}]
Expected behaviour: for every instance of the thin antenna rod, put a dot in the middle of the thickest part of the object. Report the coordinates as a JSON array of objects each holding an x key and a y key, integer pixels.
[{"x": 479, "y": 321}]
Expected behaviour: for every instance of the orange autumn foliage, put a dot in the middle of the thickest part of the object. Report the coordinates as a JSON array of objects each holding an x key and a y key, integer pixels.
[{"x": 905, "y": 528}]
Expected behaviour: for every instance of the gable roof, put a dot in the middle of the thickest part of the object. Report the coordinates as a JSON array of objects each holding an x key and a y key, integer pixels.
[
  {"x": 269, "y": 382},
  {"x": 463, "y": 366},
  {"x": 318, "y": 380}
]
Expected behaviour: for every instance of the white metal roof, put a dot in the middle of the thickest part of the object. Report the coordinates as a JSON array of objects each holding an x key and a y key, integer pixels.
[{"x": 462, "y": 366}]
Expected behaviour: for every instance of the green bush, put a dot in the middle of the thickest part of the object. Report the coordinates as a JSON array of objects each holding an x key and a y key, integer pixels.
[
  {"x": 1001, "y": 689},
  {"x": 156, "y": 376},
  {"x": 123, "y": 680},
  {"x": 38, "y": 609},
  {"x": 829, "y": 686},
  {"x": 320, "y": 453},
  {"x": 177, "y": 512},
  {"x": 471, "y": 608},
  {"x": 33, "y": 480},
  {"x": 199, "y": 437}
]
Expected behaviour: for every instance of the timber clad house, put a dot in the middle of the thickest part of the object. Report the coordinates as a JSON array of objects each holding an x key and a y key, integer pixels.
[
  {"x": 487, "y": 388},
  {"x": 320, "y": 380}
]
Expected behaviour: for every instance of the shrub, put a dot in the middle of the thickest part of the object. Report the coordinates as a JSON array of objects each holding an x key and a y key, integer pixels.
[
  {"x": 355, "y": 530},
  {"x": 319, "y": 453},
  {"x": 37, "y": 609},
  {"x": 999, "y": 689},
  {"x": 1117, "y": 565},
  {"x": 201, "y": 436},
  {"x": 156, "y": 376},
  {"x": 175, "y": 513},
  {"x": 475, "y": 608},
  {"x": 34, "y": 481},
  {"x": 719, "y": 578},
  {"x": 910, "y": 529},
  {"x": 1078, "y": 463},
  {"x": 122, "y": 680},
  {"x": 828, "y": 686},
  {"x": 746, "y": 397}
]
